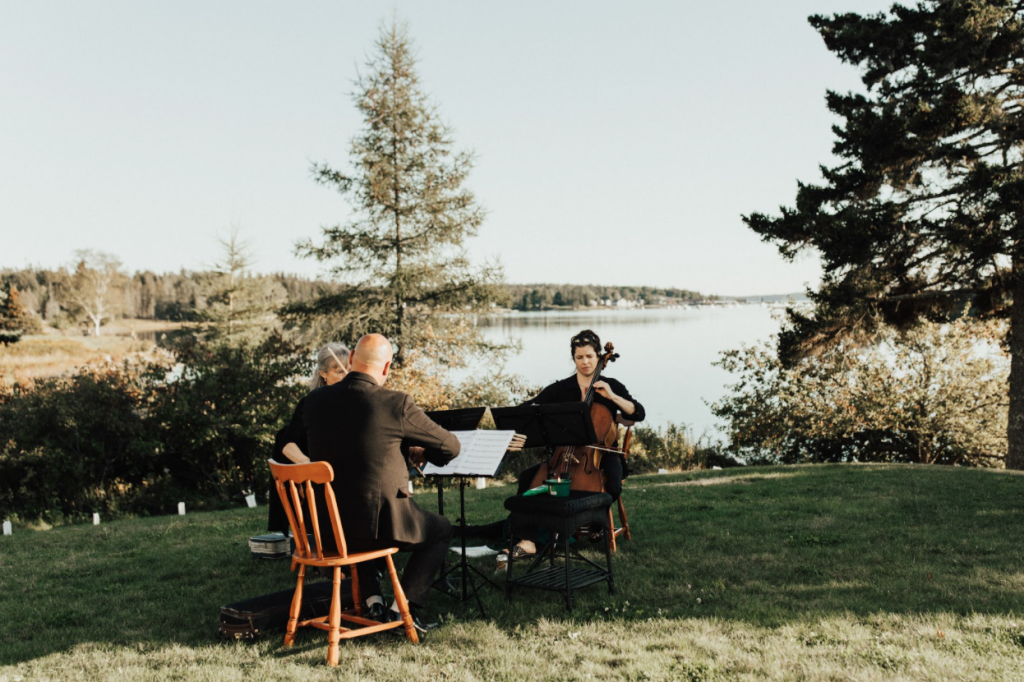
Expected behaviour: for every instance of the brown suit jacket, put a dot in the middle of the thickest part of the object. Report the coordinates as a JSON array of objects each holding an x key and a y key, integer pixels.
[{"x": 364, "y": 431}]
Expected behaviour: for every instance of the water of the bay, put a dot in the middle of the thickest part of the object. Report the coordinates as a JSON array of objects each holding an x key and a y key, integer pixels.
[{"x": 666, "y": 353}]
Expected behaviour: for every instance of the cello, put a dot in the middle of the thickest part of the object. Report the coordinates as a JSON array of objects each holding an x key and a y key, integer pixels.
[{"x": 581, "y": 463}]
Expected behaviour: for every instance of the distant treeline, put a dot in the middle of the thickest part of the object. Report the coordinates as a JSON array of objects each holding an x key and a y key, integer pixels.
[
  {"x": 544, "y": 296},
  {"x": 147, "y": 295},
  {"x": 177, "y": 296}
]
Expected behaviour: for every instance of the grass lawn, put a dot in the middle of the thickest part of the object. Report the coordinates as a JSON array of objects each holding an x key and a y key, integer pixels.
[{"x": 845, "y": 572}]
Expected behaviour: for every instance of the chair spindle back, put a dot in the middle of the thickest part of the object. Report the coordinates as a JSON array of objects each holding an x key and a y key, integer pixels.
[{"x": 289, "y": 479}]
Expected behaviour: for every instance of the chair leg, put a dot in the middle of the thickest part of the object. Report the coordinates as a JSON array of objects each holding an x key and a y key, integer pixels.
[
  {"x": 608, "y": 557},
  {"x": 357, "y": 595},
  {"x": 624, "y": 520},
  {"x": 508, "y": 567},
  {"x": 611, "y": 529},
  {"x": 567, "y": 534},
  {"x": 334, "y": 633},
  {"x": 296, "y": 608},
  {"x": 402, "y": 602}
]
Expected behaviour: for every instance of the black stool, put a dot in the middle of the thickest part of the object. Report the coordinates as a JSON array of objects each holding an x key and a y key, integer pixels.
[{"x": 561, "y": 516}]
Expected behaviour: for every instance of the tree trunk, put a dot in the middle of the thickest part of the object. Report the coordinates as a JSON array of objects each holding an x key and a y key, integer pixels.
[
  {"x": 1015, "y": 421},
  {"x": 399, "y": 304}
]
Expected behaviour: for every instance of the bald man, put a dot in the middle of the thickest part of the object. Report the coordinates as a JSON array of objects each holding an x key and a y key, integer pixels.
[{"x": 366, "y": 431}]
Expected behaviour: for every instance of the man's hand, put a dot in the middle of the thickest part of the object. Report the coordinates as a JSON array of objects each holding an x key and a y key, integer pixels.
[
  {"x": 417, "y": 455},
  {"x": 518, "y": 441}
]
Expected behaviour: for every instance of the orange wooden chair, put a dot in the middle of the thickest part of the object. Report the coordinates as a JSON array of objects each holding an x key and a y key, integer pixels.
[
  {"x": 289, "y": 478},
  {"x": 623, "y": 528}
]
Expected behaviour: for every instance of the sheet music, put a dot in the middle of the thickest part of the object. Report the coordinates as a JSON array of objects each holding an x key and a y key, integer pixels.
[{"x": 480, "y": 455}]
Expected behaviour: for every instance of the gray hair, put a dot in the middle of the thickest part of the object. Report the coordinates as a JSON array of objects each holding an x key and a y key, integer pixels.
[{"x": 325, "y": 360}]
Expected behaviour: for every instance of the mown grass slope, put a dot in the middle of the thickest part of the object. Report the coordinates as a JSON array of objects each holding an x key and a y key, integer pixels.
[{"x": 816, "y": 573}]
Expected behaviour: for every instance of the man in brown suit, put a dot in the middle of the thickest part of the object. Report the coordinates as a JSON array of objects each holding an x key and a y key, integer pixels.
[{"x": 369, "y": 434}]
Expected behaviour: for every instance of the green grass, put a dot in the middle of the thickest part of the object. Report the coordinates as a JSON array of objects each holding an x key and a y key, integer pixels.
[{"x": 814, "y": 573}]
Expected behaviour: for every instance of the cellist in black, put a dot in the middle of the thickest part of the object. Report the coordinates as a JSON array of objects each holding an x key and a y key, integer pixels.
[
  {"x": 612, "y": 394},
  {"x": 585, "y": 348}
]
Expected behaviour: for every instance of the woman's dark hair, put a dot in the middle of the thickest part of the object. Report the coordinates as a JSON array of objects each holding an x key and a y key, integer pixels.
[{"x": 585, "y": 338}]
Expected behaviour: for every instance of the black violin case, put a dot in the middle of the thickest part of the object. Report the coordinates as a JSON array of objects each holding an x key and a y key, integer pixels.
[{"x": 249, "y": 619}]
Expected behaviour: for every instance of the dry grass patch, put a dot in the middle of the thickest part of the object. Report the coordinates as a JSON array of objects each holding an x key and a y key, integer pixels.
[{"x": 37, "y": 357}]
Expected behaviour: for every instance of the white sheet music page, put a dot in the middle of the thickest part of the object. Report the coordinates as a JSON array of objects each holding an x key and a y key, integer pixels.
[{"x": 480, "y": 454}]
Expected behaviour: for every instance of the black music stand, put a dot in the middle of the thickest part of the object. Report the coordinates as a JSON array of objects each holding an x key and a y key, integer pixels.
[
  {"x": 466, "y": 419},
  {"x": 463, "y": 565},
  {"x": 548, "y": 425}
]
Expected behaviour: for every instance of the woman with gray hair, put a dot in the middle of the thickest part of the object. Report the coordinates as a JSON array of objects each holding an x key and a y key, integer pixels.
[
  {"x": 331, "y": 366},
  {"x": 332, "y": 363}
]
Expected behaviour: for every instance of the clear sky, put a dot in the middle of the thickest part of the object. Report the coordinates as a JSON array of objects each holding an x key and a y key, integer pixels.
[{"x": 616, "y": 143}]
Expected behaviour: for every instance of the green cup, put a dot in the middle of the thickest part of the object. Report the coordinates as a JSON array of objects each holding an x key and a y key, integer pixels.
[{"x": 558, "y": 487}]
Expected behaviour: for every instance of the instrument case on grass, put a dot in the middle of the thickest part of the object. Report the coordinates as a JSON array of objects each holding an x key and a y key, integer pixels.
[{"x": 249, "y": 619}]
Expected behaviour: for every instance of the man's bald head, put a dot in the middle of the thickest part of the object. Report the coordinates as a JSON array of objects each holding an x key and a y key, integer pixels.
[{"x": 372, "y": 355}]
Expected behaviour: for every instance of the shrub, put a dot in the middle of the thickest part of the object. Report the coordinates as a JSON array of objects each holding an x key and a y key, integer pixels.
[
  {"x": 934, "y": 394},
  {"x": 135, "y": 440},
  {"x": 673, "y": 448},
  {"x": 70, "y": 446},
  {"x": 217, "y": 415}
]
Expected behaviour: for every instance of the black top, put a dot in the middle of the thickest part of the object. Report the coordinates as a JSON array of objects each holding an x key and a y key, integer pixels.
[
  {"x": 292, "y": 432},
  {"x": 568, "y": 391}
]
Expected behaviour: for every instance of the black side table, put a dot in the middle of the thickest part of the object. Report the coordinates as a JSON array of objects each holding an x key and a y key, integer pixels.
[{"x": 561, "y": 516}]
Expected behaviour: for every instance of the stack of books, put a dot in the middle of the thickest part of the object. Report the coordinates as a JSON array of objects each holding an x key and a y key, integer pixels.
[{"x": 270, "y": 546}]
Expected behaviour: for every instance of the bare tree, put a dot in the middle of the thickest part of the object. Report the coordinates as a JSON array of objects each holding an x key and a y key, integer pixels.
[{"x": 92, "y": 289}]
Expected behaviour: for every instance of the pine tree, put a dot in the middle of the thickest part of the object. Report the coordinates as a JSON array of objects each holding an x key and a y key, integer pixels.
[
  {"x": 239, "y": 308},
  {"x": 926, "y": 210},
  {"x": 401, "y": 259},
  {"x": 15, "y": 319}
]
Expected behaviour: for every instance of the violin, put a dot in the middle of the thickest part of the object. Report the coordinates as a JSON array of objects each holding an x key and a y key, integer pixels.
[{"x": 581, "y": 464}]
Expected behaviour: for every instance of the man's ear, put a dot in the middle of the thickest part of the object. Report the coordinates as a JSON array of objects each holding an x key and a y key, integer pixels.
[
  {"x": 387, "y": 368},
  {"x": 351, "y": 356}
]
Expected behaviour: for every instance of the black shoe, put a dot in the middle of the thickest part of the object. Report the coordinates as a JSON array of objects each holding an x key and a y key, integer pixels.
[
  {"x": 417, "y": 622},
  {"x": 377, "y": 612}
]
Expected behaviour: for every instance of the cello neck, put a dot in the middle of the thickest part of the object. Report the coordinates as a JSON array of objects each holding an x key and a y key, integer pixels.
[
  {"x": 603, "y": 359},
  {"x": 589, "y": 397}
]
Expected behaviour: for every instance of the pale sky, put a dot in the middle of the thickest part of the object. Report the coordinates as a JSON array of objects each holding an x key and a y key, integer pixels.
[{"x": 616, "y": 143}]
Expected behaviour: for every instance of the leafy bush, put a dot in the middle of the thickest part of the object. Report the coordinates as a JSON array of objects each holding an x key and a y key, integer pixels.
[
  {"x": 134, "y": 439},
  {"x": 70, "y": 446},
  {"x": 215, "y": 418},
  {"x": 672, "y": 448},
  {"x": 934, "y": 394}
]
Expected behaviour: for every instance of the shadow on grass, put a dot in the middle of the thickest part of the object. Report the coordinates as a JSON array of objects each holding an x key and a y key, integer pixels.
[{"x": 764, "y": 546}]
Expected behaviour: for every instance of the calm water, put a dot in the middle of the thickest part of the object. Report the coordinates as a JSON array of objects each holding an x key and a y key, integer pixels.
[{"x": 666, "y": 354}]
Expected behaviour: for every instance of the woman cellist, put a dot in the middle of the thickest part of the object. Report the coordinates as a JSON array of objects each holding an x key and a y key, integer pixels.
[{"x": 585, "y": 348}]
